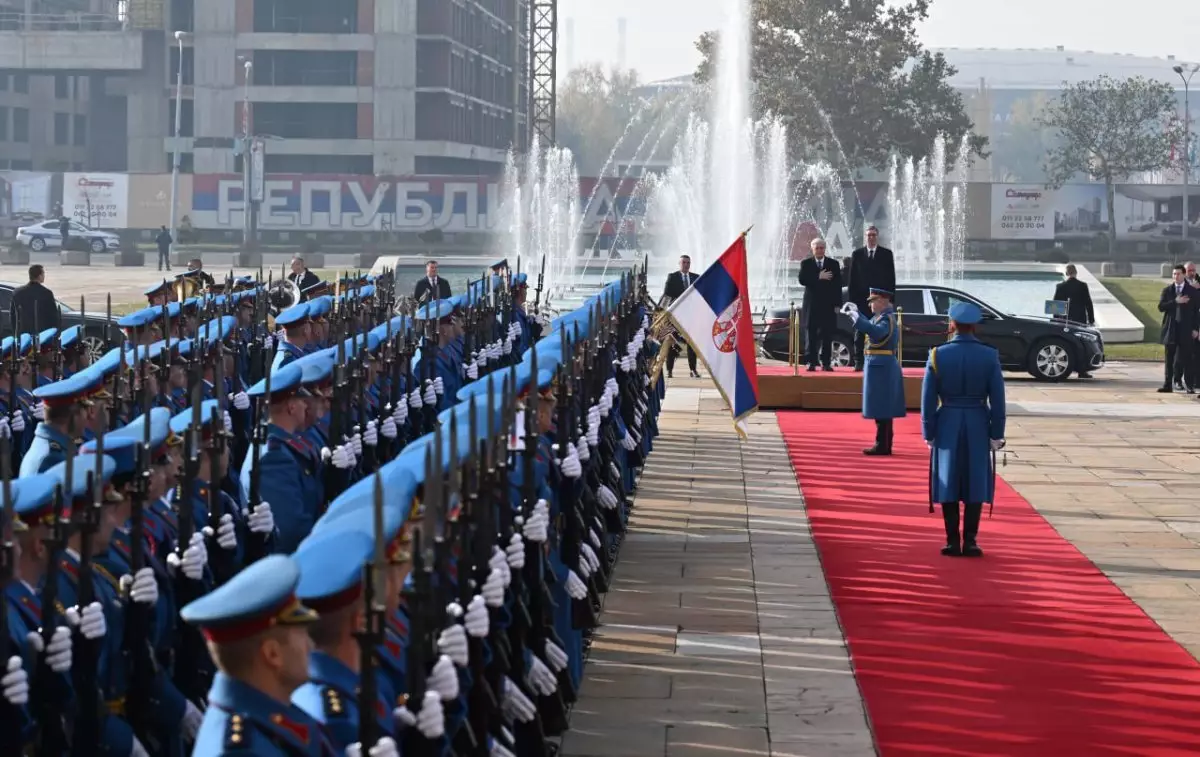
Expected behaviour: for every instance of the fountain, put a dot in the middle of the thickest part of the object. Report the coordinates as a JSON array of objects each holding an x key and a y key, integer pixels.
[{"x": 927, "y": 230}]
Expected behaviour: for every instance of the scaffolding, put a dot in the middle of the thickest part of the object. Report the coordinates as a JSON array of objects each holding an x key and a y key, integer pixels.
[{"x": 543, "y": 52}]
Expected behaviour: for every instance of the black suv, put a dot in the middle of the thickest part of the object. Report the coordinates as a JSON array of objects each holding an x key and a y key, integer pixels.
[
  {"x": 93, "y": 323},
  {"x": 1050, "y": 350}
]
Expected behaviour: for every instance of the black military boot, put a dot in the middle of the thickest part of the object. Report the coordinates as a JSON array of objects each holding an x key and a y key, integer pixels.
[
  {"x": 882, "y": 440},
  {"x": 950, "y": 519},
  {"x": 971, "y": 516}
]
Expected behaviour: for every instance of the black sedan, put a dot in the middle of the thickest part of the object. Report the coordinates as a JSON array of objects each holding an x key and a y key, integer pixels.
[
  {"x": 1049, "y": 350},
  {"x": 94, "y": 323}
]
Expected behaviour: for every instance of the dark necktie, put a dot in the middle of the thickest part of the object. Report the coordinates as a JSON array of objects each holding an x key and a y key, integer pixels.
[
  {"x": 687, "y": 280},
  {"x": 1178, "y": 312}
]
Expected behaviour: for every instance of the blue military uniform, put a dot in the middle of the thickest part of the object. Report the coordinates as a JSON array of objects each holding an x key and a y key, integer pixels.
[
  {"x": 962, "y": 420},
  {"x": 50, "y": 445},
  {"x": 293, "y": 317},
  {"x": 883, "y": 380},
  {"x": 240, "y": 718},
  {"x": 331, "y": 580}
]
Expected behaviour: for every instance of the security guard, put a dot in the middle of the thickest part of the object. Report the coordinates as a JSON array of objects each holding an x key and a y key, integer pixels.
[
  {"x": 962, "y": 420},
  {"x": 883, "y": 381},
  {"x": 289, "y": 465},
  {"x": 257, "y": 633}
]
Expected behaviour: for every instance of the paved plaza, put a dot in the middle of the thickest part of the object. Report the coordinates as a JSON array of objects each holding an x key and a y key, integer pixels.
[{"x": 718, "y": 635}]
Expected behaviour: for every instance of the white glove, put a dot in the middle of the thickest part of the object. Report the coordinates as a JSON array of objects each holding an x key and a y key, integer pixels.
[
  {"x": 39, "y": 411},
  {"x": 473, "y": 370},
  {"x": 142, "y": 588},
  {"x": 268, "y": 341},
  {"x": 556, "y": 658},
  {"x": 388, "y": 428},
  {"x": 15, "y": 682},
  {"x": 514, "y": 330},
  {"x": 570, "y": 466},
  {"x": 515, "y": 552},
  {"x": 370, "y": 436},
  {"x": 499, "y": 563},
  {"x": 356, "y": 444},
  {"x": 536, "y": 527},
  {"x": 400, "y": 414},
  {"x": 576, "y": 588},
  {"x": 430, "y": 396},
  {"x": 5, "y": 431},
  {"x": 414, "y": 399},
  {"x": 443, "y": 679},
  {"x": 929, "y": 443},
  {"x": 261, "y": 520},
  {"x": 193, "y": 560},
  {"x": 608, "y": 500},
  {"x": 539, "y": 677},
  {"x": 629, "y": 443},
  {"x": 997, "y": 444},
  {"x": 385, "y": 747},
  {"x": 628, "y": 364},
  {"x": 610, "y": 385},
  {"x": 240, "y": 401},
  {"x": 431, "y": 721},
  {"x": 594, "y": 537},
  {"x": 508, "y": 344},
  {"x": 452, "y": 642},
  {"x": 589, "y": 556},
  {"x": 493, "y": 589},
  {"x": 850, "y": 309},
  {"x": 516, "y": 705},
  {"x": 227, "y": 533},
  {"x": 342, "y": 457},
  {"x": 582, "y": 451},
  {"x": 497, "y": 749},
  {"x": 439, "y": 387},
  {"x": 192, "y": 718},
  {"x": 59, "y": 655},
  {"x": 481, "y": 357},
  {"x": 593, "y": 434},
  {"x": 476, "y": 618},
  {"x": 90, "y": 621},
  {"x": 17, "y": 423},
  {"x": 227, "y": 422},
  {"x": 585, "y": 567}
]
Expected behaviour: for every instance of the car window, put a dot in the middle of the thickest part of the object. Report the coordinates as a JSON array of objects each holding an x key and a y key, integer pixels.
[
  {"x": 51, "y": 225},
  {"x": 5, "y": 299},
  {"x": 943, "y": 300},
  {"x": 78, "y": 227},
  {"x": 911, "y": 301}
]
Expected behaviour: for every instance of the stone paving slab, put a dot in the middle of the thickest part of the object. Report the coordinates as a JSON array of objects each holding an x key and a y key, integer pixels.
[{"x": 718, "y": 636}]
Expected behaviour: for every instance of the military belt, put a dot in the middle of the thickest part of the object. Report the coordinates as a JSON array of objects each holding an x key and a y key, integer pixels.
[
  {"x": 880, "y": 352},
  {"x": 116, "y": 707}
]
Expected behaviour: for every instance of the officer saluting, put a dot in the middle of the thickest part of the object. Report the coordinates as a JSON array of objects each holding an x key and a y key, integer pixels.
[
  {"x": 883, "y": 382},
  {"x": 257, "y": 633},
  {"x": 962, "y": 420}
]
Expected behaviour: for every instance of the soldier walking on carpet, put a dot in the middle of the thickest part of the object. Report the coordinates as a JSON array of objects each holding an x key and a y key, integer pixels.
[
  {"x": 962, "y": 420},
  {"x": 883, "y": 382}
]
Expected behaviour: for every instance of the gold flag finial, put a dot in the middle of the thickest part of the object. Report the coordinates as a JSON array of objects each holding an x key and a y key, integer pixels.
[{"x": 747, "y": 231}]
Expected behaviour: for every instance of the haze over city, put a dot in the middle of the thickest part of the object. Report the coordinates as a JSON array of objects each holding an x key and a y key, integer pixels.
[{"x": 661, "y": 35}]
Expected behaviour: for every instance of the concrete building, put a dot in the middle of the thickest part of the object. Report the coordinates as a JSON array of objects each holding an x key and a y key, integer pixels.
[{"x": 384, "y": 87}]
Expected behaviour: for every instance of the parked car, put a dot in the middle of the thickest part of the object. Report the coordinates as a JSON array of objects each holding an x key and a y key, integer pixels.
[
  {"x": 1049, "y": 350},
  {"x": 94, "y": 323},
  {"x": 45, "y": 236}
]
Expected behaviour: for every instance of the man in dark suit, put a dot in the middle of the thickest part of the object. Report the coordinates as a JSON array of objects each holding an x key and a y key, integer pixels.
[
  {"x": 821, "y": 278},
  {"x": 1180, "y": 325},
  {"x": 871, "y": 267},
  {"x": 678, "y": 283},
  {"x": 1079, "y": 302},
  {"x": 33, "y": 305},
  {"x": 432, "y": 287},
  {"x": 301, "y": 276}
]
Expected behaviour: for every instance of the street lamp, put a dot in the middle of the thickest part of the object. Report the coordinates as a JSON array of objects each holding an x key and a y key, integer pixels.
[
  {"x": 1186, "y": 75},
  {"x": 247, "y": 168},
  {"x": 179, "y": 38}
]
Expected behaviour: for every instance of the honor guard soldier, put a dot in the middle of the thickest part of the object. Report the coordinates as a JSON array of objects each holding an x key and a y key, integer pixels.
[
  {"x": 66, "y": 410},
  {"x": 75, "y": 354},
  {"x": 161, "y": 521},
  {"x": 962, "y": 420},
  {"x": 140, "y": 326},
  {"x": 257, "y": 632},
  {"x": 42, "y": 357},
  {"x": 290, "y": 466},
  {"x": 297, "y": 332},
  {"x": 159, "y": 294},
  {"x": 318, "y": 313},
  {"x": 446, "y": 370},
  {"x": 320, "y": 289},
  {"x": 331, "y": 583},
  {"x": 883, "y": 381}
]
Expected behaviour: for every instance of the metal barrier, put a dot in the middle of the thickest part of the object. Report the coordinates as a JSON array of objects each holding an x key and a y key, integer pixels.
[{"x": 16, "y": 21}]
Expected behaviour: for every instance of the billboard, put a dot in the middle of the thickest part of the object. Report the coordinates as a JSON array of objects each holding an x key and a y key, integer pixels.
[
  {"x": 98, "y": 200},
  {"x": 1080, "y": 211},
  {"x": 309, "y": 202},
  {"x": 26, "y": 195}
]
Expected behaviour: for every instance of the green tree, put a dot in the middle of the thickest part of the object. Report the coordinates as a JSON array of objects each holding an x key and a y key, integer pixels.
[
  {"x": 593, "y": 109},
  {"x": 850, "y": 72},
  {"x": 1111, "y": 129},
  {"x": 1020, "y": 145}
]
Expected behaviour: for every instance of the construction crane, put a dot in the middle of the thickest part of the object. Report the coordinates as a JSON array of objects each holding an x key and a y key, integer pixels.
[{"x": 543, "y": 73}]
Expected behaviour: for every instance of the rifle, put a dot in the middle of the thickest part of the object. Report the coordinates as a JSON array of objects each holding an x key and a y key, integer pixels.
[
  {"x": 372, "y": 634},
  {"x": 10, "y": 719},
  {"x": 336, "y": 418},
  {"x": 583, "y": 612},
  {"x": 136, "y": 648},
  {"x": 421, "y": 636},
  {"x": 220, "y": 559},
  {"x": 50, "y": 737},
  {"x": 14, "y": 370},
  {"x": 86, "y": 656},
  {"x": 256, "y": 546}
]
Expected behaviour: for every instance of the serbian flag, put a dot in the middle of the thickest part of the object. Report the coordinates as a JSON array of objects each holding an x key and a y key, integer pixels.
[{"x": 714, "y": 316}]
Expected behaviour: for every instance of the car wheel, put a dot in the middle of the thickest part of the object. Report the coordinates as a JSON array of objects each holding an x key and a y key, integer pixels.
[
  {"x": 1051, "y": 360},
  {"x": 95, "y": 348},
  {"x": 98, "y": 246},
  {"x": 37, "y": 244},
  {"x": 840, "y": 354}
]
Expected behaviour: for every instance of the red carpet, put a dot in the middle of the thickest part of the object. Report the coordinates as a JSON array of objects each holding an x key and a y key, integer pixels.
[
  {"x": 1028, "y": 651},
  {"x": 783, "y": 369}
]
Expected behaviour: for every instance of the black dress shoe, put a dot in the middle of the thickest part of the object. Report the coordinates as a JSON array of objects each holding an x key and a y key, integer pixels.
[
  {"x": 811, "y": 368},
  {"x": 827, "y": 368},
  {"x": 877, "y": 451},
  {"x": 668, "y": 374},
  {"x": 858, "y": 367},
  {"x": 952, "y": 550},
  {"x": 695, "y": 374},
  {"x": 972, "y": 550},
  {"x": 1084, "y": 375},
  {"x": 1165, "y": 390}
]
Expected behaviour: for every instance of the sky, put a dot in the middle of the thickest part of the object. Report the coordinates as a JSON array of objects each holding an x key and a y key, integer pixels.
[{"x": 661, "y": 34}]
